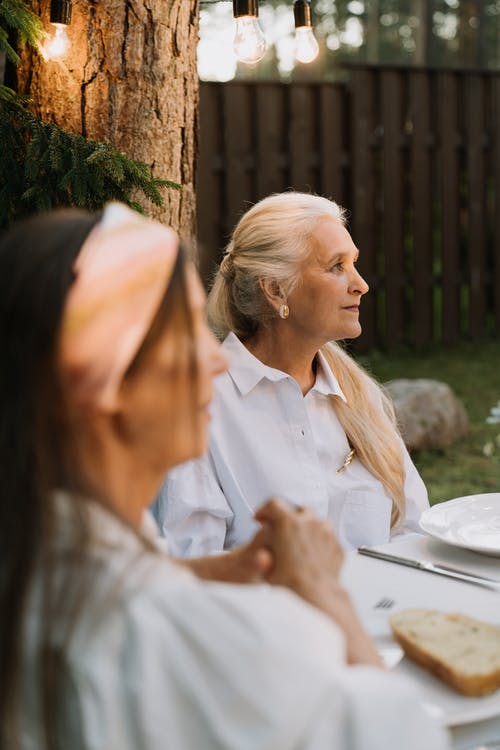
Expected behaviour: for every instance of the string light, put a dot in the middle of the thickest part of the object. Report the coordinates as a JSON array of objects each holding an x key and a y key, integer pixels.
[
  {"x": 249, "y": 41},
  {"x": 306, "y": 46},
  {"x": 57, "y": 43}
]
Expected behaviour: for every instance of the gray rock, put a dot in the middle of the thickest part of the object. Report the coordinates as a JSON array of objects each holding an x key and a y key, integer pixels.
[{"x": 428, "y": 412}]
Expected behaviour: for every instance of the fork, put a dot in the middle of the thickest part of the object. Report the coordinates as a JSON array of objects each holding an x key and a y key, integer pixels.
[{"x": 384, "y": 603}]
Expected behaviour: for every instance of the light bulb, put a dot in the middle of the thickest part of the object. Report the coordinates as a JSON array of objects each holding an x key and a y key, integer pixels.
[
  {"x": 306, "y": 46},
  {"x": 249, "y": 41},
  {"x": 56, "y": 45}
]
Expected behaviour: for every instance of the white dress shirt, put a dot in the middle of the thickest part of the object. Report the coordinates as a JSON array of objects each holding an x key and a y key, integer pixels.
[
  {"x": 268, "y": 440},
  {"x": 159, "y": 660}
]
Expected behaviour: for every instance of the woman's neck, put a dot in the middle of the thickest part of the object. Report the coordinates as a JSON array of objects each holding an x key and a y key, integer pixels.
[
  {"x": 109, "y": 472},
  {"x": 275, "y": 347}
]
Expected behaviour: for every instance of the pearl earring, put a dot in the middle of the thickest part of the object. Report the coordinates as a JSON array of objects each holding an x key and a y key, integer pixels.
[{"x": 284, "y": 311}]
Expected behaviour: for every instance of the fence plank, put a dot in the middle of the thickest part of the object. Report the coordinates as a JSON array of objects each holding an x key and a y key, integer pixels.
[
  {"x": 474, "y": 125},
  {"x": 209, "y": 177},
  {"x": 302, "y": 137},
  {"x": 271, "y": 167},
  {"x": 332, "y": 142},
  {"x": 449, "y": 192},
  {"x": 406, "y": 205},
  {"x": 495, "y": 254},
  {"x": 238, "y": 127},
  {"x": 392, "y": 188},
  {"x": 363, "y": 193},
  {"x": 422, "y": 204}
]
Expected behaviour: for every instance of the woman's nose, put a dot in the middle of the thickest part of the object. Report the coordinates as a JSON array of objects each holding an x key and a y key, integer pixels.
[{"x": 358, "y": 284}]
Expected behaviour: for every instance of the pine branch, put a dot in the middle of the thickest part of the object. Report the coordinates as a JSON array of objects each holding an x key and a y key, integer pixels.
[
  {"x": 18, "y": 20},
  {"x": 42, "y": 165},
  {"x": 45, "y": 167}
]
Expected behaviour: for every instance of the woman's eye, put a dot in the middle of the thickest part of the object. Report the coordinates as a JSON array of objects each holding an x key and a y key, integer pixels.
[{"x": 337, "y": 267}]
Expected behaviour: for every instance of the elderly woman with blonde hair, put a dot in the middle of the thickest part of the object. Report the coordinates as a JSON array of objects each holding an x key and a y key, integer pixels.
[{"x": 295, "y": 416}]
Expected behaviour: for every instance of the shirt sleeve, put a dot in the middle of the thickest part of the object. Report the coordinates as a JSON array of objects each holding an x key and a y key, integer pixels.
[
  {"x": 373, "y": 710},
  {"x": 191, "y": 510},
  {"x": 221, "y": 667},
  {"x": 416, "y": 498}
]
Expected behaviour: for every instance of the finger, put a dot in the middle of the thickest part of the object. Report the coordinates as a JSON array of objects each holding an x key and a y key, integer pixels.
[
  {"x": 253, "y": 566},
  {"x": 261, "y": 539},
  {"x": 273, "y": 511},
  {"x": 263, "y": 561},
  {"x": 331, "y": 532},
  {"x": 305, "y": 511}
]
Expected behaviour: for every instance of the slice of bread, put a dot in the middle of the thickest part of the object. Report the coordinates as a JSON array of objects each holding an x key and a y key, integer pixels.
[{"x": 463, "y": 652}]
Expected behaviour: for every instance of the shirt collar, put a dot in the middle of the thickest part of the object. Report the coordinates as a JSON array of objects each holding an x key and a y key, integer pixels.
[
  {"x": 247, "y": 371},
  {"x": 326, "y": 382},
  {"x": 244, "y": 368}
]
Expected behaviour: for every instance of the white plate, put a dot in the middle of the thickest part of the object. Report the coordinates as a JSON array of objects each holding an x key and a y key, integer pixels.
[
  {"x": 472, "y": 522},
  {"x": 447, "y": 706}
]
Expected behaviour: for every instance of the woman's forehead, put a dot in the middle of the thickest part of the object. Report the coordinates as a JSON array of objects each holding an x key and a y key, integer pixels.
[{"x": 330, "y": 240}]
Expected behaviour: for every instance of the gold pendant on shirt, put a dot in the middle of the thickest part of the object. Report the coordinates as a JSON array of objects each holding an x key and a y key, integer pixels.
[{"x": 348, "y": 460}]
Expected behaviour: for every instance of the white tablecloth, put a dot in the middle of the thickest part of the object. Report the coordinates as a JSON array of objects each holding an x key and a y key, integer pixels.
[{"x": 380, "y": 588}]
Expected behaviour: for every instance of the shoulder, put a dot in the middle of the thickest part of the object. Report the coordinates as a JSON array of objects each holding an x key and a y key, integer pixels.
[
  {"x": 155, "y": 606},
  {"x": 260, "y": 650},
  {"x": 249, "y": 659}
]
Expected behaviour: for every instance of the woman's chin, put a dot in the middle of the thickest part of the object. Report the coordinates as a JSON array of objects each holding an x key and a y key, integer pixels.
[{"x": 352, "y": 332}]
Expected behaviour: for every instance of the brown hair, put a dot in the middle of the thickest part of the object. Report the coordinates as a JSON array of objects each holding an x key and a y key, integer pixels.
[{"x": 36, "y": 273}]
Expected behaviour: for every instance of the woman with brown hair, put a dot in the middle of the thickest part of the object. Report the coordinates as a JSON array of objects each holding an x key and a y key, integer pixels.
[{"x": 106, "y": 642}]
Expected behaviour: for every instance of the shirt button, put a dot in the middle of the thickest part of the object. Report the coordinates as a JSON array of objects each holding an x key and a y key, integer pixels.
[{"x": 302, "y": 433}]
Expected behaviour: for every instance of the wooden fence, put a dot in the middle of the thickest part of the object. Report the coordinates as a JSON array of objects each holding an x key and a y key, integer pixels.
[{"x": 413, "y": 154}]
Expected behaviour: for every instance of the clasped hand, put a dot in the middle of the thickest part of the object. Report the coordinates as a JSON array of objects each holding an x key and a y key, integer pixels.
[{"x": 294, "y": 548}]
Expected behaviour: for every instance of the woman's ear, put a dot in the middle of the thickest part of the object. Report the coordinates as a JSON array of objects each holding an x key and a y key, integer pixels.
[
  {"x": 94, "y": 412},
  {"x": 272, "y": 292}
]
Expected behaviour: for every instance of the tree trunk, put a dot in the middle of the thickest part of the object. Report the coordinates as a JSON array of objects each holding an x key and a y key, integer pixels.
[{"x": 129, "y": 79}]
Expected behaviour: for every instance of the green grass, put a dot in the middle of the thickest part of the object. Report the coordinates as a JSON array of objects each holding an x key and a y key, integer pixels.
[{"x": 472, "y": 370}]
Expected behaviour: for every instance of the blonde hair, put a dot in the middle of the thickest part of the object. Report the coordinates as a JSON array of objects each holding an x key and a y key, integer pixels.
[
  {"x": 369, "y": 422},
  {"x": 270, "y": 242}
]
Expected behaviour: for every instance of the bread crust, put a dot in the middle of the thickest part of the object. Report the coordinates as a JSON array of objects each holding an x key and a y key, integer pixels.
[{"x": 473, "y": 685}]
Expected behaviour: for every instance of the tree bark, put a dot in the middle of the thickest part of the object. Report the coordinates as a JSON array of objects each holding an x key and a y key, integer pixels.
[{"x": 129, "y": 79}]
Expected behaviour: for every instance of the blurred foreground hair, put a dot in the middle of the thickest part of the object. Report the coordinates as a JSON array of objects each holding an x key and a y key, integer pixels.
[{"x": 36, "y": 272}]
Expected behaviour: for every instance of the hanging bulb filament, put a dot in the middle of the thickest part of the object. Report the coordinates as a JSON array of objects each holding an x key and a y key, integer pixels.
[
  {"x": 306, "y": 46},
  {"x": 56, "y": 44},
  {"x": 249, "y": 42}
]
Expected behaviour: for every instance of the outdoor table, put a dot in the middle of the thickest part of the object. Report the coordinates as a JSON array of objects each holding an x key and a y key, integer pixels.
[{"x": 379, "y": 588}]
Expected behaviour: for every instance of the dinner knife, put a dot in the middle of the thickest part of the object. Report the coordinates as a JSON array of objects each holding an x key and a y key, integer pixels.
[{"x": 430, "y": 567}]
